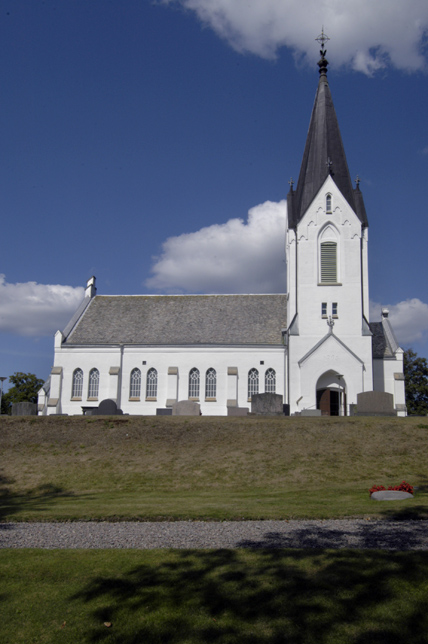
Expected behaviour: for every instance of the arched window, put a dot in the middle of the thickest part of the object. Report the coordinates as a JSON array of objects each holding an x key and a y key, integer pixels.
[
  {"x": 211, "y": 383},
  {"x": 94, "y": 383},
  {"x": 328, "y": 262},
  {"x": 328, "y": 202},
  {"x": 194, "y": 383},
  {"x": 270, "y": 381},
  {"x": 135, "y": 384},
  {"x": 77, "y": 386},
  {"x": 152, "y": 383},
  {"x": 253, "y": 382}
]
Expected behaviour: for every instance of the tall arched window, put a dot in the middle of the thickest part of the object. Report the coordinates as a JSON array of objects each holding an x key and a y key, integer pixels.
[
  {"x": 328, "y": 262},
  {"x": 94, "y": 383},
  {"x": 211, "y": 383},
  {"x": 253, "y": 382},
  {"x": 135, "y": 384},
  {"x": 152, "y": 383},
  {"x": 270, "y": 381},
  {"x": 328, "y": 204},
  {"x": 194, "y": 383},
  {"x": 77, "y": 386}
]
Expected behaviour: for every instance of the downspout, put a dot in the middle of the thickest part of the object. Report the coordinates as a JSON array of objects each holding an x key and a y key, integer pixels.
[{"x": 119, "y": 383}]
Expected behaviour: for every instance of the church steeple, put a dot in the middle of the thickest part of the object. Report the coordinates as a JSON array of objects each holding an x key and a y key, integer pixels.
[{"x": 324, "y": 154}]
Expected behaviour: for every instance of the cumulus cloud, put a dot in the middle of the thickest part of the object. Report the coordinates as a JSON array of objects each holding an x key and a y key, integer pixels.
[
  {"x": 368, "y": 35},
  {"x": 409, "y": 319},
  {"x": 33, "y": 309},
  {"x": 235, "y": 257}
]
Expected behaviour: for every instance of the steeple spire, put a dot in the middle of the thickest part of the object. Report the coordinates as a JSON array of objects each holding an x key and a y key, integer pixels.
[{"x": 324, "y": 153}]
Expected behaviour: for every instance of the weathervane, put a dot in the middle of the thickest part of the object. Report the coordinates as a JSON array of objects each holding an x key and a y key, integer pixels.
[{"x": 323, "y": 39}]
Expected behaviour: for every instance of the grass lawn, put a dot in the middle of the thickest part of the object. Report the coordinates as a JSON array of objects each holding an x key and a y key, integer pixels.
[
  {"x": 67, "y": 468},
  {"x": 211, "y": 468},
  {"x": 225, "y": 596}
]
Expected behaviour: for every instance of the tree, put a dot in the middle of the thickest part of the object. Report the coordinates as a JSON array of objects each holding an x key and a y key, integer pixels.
[
  {"x": 416, "y": 382},
  {"x": 25, "y": 389}
]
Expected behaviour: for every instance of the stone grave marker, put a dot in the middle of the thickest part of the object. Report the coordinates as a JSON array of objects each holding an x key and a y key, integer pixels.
[
  {"x": 267, "y": 404},
  {"x": 186, "y": 408}
]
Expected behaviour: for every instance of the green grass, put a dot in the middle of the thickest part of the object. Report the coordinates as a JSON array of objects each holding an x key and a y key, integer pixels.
[
  {"x": 147, "y": 468},
  {"x": 225, "y": 596}
]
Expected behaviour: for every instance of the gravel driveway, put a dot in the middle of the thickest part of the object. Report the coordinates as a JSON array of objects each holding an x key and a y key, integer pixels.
[{"x": 359, "y": 533}]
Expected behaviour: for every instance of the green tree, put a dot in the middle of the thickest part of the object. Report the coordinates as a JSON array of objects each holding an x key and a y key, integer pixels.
[
  {"x": 25, "y": 389},
  {"x": 416, "y": 380}
]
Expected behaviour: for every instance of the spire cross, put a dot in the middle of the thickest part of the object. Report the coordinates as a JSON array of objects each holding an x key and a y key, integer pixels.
[
  {"x": 357, "y": 181},
  {"x": 291, "y": 183},
  {"x": 322, "y": 39},
  {"x": 329, "y": 165}
]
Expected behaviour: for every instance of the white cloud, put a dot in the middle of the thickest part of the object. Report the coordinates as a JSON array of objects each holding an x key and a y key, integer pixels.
[
  {"x": 409, "y": 319},
  {"x": 368, "y": 35},
  {"x": 235, "y": 257},
  {"x": 33, "y": 309}
]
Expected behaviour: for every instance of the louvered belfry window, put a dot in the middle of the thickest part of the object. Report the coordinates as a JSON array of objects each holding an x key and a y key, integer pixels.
[{"x": 328, "y": 262}]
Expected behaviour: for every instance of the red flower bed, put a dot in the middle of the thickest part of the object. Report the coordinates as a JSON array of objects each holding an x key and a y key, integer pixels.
[{"x": 403, "y": 487}]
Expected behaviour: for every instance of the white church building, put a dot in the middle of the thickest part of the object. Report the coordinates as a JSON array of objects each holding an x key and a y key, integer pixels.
[{"x": 313, "y": 344}]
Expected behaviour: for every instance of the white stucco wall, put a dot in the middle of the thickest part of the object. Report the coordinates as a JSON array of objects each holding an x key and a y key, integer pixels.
[
  {"x": 353, "y": 358},
  {"x": 124, "y": 359}
]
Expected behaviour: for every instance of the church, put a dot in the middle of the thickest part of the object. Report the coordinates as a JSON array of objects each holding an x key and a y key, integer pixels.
[{"x": 313, "y": 345}]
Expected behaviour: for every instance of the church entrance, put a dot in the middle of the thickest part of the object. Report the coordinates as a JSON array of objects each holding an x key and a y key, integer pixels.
[
  {"x": 328, "y": 402},
  {"x": 331, "y": 394}
]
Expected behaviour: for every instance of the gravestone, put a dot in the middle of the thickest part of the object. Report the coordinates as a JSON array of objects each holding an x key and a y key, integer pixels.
[
  {"x": 237, "y": 411},
  {"x": 186, "y": 408},
  {"x": 267, "y": 405},
  {"x": 163, "y": 411},
  {"x": 24, "y": 409},
  {"x": 310, "y": 412},
  {"x": 391, "y": 495},
  {"x": 375, "y": 403},
  {"x": 106, "y": 408}
]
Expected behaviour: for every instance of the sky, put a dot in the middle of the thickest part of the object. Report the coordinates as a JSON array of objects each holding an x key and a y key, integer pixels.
[{"x": 151, "y": 144}]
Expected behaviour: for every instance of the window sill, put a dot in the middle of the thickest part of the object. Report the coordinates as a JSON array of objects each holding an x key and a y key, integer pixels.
[
  {"x": 210, "y": 399},
  {"x": 92, "y": 399},
  {"x": 76, "y": 398},
  {"x": 193, "y": 399},
  {"x": 151, "y": 399},
  {"x": 329, "y": 283},
  {"x": 134, "y": 399}
]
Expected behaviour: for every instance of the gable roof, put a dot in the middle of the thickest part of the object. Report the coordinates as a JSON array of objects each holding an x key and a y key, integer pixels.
[
  {"x": 324, "y": 154},
  {"x": 384, "y": 343},
  {"x": 171, "y": 320}
]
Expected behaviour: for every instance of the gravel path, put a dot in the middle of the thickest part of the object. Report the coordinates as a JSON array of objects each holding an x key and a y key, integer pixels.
[{"x": 360, "y": 533}]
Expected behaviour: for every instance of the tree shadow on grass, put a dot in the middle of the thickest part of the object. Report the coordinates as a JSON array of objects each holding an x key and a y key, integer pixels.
[
  {"x": 34, "y": 500},
  {"x": 266, "y": 596}
]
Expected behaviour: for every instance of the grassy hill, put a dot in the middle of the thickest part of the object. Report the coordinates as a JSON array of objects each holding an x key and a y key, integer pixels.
[{"x": 149, "y": 468}]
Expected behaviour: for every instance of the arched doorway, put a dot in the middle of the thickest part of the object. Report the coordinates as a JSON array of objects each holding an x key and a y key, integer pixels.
[{"x": 331, "y": 394}]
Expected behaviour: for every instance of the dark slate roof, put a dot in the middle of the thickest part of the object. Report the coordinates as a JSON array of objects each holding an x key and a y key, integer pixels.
[
  {"x": 171, "y": 320},
  {"x": 380, "y": 344},
  {"x": 323, "y": 143}
]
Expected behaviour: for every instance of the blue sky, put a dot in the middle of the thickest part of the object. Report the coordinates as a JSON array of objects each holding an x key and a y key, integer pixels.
[{"x": 151, "y": 143}]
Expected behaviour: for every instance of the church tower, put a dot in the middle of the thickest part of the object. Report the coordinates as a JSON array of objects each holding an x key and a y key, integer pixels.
[{"x": 329, "y": 342}]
